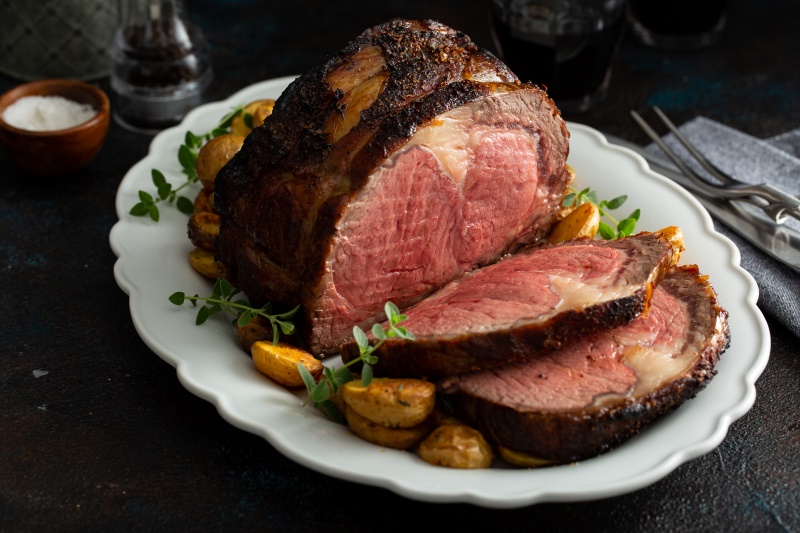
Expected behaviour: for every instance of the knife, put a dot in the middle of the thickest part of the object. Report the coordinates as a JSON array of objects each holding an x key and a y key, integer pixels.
[{"x": 778, "y": 241}]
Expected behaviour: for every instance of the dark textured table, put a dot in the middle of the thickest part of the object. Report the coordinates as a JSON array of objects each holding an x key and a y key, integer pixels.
[{"x": 109, "y": 440}]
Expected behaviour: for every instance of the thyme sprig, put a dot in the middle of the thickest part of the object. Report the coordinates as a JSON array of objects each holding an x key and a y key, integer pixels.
[
  {"x": 319, "y": 393},
  {"x": 221, "y": 300},
  {"x": 187, "y": 157},
  {"x": 622, "y": 228}
]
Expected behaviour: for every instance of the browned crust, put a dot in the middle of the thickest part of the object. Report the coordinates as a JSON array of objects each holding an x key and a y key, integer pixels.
[
  {"x": 568, "y": 436},
  {"x": 440, "y": 357},
  {"x": 281, "y": 195}
]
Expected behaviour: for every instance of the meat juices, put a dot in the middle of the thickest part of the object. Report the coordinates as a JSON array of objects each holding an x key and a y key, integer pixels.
[
  {"x": 602, "y": 389},
  {"x": 409, "y": 158}
]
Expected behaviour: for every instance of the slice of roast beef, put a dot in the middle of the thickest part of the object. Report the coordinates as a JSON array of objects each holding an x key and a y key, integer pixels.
[
  {"x": 598, "y": 392},
  {"x": 525, "y": 304},
  {"x": 408, "y": 158}
]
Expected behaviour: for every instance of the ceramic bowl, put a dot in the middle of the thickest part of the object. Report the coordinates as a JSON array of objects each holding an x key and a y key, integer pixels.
[{"x": 56, "y": 153}]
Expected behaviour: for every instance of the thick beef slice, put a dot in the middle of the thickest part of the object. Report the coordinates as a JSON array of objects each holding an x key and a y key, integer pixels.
[
  {"x": 524, "y": 305},
  {"x": 599, "y": 391}
]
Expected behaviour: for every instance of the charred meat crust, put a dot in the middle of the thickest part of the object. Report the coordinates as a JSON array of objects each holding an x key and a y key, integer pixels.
[
  {"x": 568, "y": 436},
  {"x": 457, "y": 354},
  {"x": 281, "y": 195},
  {"x": 400, "y": 126}
]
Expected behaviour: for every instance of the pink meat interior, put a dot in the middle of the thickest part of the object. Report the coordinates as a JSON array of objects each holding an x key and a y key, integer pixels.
[
  {"x": 428, "y": 215},
  {"x": 596, "y": 367}
]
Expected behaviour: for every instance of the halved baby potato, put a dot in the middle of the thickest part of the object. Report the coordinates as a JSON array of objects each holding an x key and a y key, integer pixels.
[
  {"x": 214, "y": 155},
  {"x": 252, "y": 116},
  {"x": 582, "y": 222},
  {"x": 394, "y": 403},
  {"x": 279, "y": 362},
  {"x": 456, "y": 446}
]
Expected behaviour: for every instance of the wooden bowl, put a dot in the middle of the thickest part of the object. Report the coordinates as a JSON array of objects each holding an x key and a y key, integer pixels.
[{"x": 56, "y": 153}]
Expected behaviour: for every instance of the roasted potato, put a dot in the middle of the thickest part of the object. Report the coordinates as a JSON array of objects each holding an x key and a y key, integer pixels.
[
  {"x": 202, "y": 261},
  {"x": 394, "y": 403},
  {"x": 258, "y": 329},
  {"x": 279, "y": 362},
  {"x": 262, "y": 111},
  {"x": 204, "y": 202},
  {"x": 397, "y": 438},
  {"x": 456, "y": 446},
  {"x": 582, "y": 222},
  {"x": 252, "y": 116},
  {"x": 203, "y": 229},
  {"x": 214, "y": 155},
  {"x": 674, "y": 235},
  {"x": 521, "y": 459}
]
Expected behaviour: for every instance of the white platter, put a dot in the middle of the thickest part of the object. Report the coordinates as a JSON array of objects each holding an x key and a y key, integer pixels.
[{"x": 152, "y": 264}]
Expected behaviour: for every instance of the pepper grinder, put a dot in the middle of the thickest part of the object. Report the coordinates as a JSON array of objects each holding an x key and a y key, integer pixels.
[{"x": 160, "y": 65}]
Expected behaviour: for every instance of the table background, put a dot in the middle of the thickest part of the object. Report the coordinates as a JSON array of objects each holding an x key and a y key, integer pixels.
[{"x": 108, "y": 439}]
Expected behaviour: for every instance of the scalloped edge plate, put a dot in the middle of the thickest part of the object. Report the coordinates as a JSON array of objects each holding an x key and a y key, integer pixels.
[{"x": 152, "y": 264}]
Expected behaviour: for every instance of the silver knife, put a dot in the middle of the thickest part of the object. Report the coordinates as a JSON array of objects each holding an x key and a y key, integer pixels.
[{"x": 779, "y": 241}]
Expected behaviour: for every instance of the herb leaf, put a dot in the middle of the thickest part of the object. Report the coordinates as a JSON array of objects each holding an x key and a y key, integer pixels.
[
  {"x": 319, "y": 393},
  {"x": 221, "y": 300},
  {"x": 623, "y": 227},
  {"x": 187, "y": 157}
]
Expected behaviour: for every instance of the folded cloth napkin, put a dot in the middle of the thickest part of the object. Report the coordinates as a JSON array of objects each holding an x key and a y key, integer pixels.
[{"x": 775, "y": 161}]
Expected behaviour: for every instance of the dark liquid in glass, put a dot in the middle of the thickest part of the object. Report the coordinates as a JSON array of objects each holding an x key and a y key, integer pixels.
[
  {"x": 678, "y": 17},
  {"x": 568, "y": 70}
]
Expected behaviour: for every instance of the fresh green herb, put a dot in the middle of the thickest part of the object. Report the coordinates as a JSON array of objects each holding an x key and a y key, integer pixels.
[
  {"x": 319, "y": 393},
  {"x": 221, "y": 299},
  {"x": 624, "y": 227},
  {"x": 187, "y": 157}
]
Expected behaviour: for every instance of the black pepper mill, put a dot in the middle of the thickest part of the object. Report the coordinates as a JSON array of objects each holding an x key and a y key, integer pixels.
[{"x": 159, "y": 65}]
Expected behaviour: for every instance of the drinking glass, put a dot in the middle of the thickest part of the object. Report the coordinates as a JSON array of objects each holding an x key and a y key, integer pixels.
[
  {"x": 567, "y": 46},
  {"x": 677, "y": 24}
]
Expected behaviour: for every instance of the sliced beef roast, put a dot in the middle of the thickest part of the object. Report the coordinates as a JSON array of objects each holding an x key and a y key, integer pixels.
[
  {"x": 592, "y": 395},
  {"x": 525, "y": 304},
  {"x": 408, "y": 158}
]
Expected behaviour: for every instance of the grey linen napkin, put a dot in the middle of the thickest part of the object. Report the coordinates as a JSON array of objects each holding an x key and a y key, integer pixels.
[{"x": 775, "y": 161}]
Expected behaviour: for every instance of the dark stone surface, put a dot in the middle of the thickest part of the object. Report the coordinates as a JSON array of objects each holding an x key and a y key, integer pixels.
[{"x": 109, "y": 440}]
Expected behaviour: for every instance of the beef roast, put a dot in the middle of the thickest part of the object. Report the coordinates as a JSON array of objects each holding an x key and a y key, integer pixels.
[
  {"x": 592, "y": 395},
  {"x": 525, "y": 304},
  {"x": 406, "y": 159}
]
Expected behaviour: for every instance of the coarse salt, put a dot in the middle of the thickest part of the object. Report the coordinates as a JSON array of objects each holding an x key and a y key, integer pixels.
[{"x": 46, "y": 113}]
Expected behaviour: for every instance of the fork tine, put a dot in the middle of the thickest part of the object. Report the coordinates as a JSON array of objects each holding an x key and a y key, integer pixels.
[
  {"x": 661, "y": 144},
  {"x": 705, "y": 163},
  {"x": 777, "y": 204}
]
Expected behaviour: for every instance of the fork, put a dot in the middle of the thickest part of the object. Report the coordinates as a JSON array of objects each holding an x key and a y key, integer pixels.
[{"x": 777, "y": 204}]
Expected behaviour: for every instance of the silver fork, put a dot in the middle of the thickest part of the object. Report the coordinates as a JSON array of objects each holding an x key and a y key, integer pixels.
[{"x": 777, "y": 204}]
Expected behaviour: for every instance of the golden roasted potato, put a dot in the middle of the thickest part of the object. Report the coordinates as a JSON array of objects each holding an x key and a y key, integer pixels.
[
  {"x": 252, "y": 116},
  {"x": 203, "y": 262},
  {"x": 396, "y": 438},
  {"x": 263, "y": 111},
  {"x": 279, "y": 362},
  {"x": 456, "y": 446},
  {"x": 583, "y": 222},
  {"x": 521, "y": 459},
  {"x": 214, "y": 155},
  {"x": 204, "y": 202},
  {"x": 394, "y": 403},
  {"x": 203, "y": 230},
  {"x": 674, "y": 235},
  {"x": 258, "y": 329}
]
